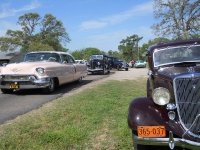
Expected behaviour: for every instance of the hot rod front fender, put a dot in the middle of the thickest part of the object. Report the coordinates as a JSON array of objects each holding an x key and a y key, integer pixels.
[{"x": 144, "y": 112}]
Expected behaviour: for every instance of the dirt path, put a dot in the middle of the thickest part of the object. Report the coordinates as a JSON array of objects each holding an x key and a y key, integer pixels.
[{"x": 131, "y": 74}]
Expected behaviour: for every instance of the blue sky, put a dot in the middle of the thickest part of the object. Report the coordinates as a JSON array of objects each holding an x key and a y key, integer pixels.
[{"x": 90, "y": 23}]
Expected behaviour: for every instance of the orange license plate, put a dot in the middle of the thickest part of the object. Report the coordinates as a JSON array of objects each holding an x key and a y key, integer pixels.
[
  {"x": 14, "y": 86},
  {"x": 151, "y": 131}
]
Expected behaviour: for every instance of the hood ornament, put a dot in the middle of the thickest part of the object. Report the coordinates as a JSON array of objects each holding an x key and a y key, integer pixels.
[
  {"x": 192, "y": 71},
  {"x": 15, "y": 70}
]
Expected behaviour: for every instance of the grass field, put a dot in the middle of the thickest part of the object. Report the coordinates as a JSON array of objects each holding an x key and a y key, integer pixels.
[{"x": 94, "y": 119}]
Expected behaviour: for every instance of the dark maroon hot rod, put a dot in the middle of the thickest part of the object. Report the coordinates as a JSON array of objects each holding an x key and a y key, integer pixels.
[{"x": 169, "y": 117}]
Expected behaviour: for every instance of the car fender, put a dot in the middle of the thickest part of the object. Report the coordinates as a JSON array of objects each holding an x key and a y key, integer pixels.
[{"x": 144, "y": 112}]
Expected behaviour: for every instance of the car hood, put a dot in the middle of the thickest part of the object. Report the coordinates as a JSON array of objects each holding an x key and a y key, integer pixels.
[
  {"x": 96, "y": 60},
  {"x": 27, "y": 67},
  {"x": 174, "y": 71}
]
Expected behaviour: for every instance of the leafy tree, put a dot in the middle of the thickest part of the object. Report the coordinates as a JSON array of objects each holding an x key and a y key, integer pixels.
[
  {"x": 90, "y": 50},
  {"x": 144, "y": 48},
  {"x": 78, "y": 54},
  {"x": 178, "y": 19},
  {"x": 35, "y": 46},
  {"x": 115, "y": 54},
  {"x": 129, "y": 47},
  {"x": 85, "y": 53},
  {"x": 36, "y": 34},
  {"x": 53, "y": 32}
]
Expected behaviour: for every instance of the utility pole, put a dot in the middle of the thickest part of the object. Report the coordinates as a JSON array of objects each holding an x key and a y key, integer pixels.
[
  {"x": 138, "y": 49},
  {"x": 137, "y": 40}
]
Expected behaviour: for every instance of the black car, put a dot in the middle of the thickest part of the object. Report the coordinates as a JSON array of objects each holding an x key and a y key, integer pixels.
[
  {"x": 118, "y": 64},
  {"x": 168, "y": 117},
  {"x": 98, "y": 63}
]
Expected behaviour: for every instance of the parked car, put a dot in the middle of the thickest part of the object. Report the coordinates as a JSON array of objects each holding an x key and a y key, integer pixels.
[
  {"x": 118, "y": 64},
  {"x": 140, "y": 64},
  {"x": 81, "y": 61},
  {"x": 169, "y": 116},
  {"x": 98, "y": 63},
  {"x": 41, "y": 70}
]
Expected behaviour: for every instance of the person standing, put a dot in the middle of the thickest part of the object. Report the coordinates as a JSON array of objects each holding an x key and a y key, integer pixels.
[{"x": 132, "y": 63}]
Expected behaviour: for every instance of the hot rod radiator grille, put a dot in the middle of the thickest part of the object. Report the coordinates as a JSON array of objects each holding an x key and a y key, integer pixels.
[
  {"x": 93, "y": 64},
  {"x": 188, "y": 102}
]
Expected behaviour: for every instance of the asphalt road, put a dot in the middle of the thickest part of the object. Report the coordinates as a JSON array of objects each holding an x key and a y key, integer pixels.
[{"x": 23, "y": 101}]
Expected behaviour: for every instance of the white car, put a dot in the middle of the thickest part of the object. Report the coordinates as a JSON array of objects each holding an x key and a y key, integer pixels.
[{"x": 41, "y": 70}]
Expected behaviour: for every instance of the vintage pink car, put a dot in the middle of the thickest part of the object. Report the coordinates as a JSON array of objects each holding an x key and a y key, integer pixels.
[{"x": 44, "y": 70}]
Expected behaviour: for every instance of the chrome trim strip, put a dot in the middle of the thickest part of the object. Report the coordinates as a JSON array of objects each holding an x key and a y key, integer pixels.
[
  {"x": 99, "y": 69},
  {"x": 191, "y": 125},
  {"x": 165, "y": 142},
  {"x": 41, "y": 83},
  {"x": 34, "y": 86}
]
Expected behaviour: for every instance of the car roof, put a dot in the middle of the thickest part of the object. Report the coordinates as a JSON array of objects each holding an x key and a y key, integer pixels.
[
  {"x": 173, "y": 43},
  {"x": 58, "y": 52},
  {"x": 100, "y": 54}
]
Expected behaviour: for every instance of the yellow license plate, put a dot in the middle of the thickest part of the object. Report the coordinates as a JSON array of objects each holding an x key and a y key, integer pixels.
[
  {"x": 14, "y": 86},
  {"x": 151, "y": 131}
]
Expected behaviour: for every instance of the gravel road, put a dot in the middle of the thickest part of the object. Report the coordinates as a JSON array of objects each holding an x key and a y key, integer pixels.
[{"x": 131, "y": 74}]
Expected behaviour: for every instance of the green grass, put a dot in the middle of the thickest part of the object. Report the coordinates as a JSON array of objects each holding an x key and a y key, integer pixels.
[{"x": 96, "y": 118}]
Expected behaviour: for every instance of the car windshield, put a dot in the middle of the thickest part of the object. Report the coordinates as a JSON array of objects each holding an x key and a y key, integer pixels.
[
  {"x": 100, "y": 57},
  {"x": 42, "y": 57},
  {"x": 172, "y": 55},
  {"x": 139, "y": 61}
]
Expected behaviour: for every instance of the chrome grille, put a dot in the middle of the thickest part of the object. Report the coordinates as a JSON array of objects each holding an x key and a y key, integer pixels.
[
  {"x": 188, "y": 103},
  {"x": 93, "y": 65},
  {"x": 15, "y": 78}
]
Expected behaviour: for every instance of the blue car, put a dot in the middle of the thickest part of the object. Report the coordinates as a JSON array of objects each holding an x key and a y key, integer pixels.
[{"x": 140, "y": 64}]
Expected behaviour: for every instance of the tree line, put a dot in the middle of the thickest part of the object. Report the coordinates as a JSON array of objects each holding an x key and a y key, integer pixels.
[{"x": 176, "y": 20}]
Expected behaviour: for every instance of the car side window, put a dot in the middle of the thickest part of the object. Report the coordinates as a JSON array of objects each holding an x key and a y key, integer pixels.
[
  {"x": 64, "y": 59},
  {"x": 67, "y": 59},
  {"x": 70, "y": 59}
]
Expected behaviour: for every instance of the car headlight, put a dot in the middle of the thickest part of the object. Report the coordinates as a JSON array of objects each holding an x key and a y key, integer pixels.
[
  {"x": 40, "y": 70},
  {"x": 98, "y": 63},
  {"x": 161, "y": 96}
]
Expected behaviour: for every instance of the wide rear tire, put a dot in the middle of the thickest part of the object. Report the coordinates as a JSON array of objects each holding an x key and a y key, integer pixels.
[{"x": 50, "y": 88}]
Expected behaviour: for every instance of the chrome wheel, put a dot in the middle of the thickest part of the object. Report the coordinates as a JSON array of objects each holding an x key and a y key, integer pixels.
[
  {"x": 79, "y": 80},
  {"x": 51, "y": 87}
]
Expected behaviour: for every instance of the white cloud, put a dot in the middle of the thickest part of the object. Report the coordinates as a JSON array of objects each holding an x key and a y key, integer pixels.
[
  {"x": 146, "y": 33},
  {"x": 139, "y": 10},
  {"x": 136, "y": 11},
  {"x": 92, "y": 25},
  {"x": 6, "y": 11},
  {"x": 108, "y": 37}
]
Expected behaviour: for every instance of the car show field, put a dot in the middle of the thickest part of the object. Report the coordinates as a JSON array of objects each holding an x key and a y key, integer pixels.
[{"x": 71, "y": 110}]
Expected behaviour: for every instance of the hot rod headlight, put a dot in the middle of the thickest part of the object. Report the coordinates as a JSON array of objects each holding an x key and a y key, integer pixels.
[
  {"x": 98, "y": 63},
  {"x": 161, "y": 96},
  {"x": 40, "y": 70}
]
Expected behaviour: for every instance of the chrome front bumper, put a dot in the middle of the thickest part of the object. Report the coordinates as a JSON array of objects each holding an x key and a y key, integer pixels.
[
  {"x": 28, "y": 84},
  {"x": 171, "y": 142},
  {"x": 94, "y": 70}
]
